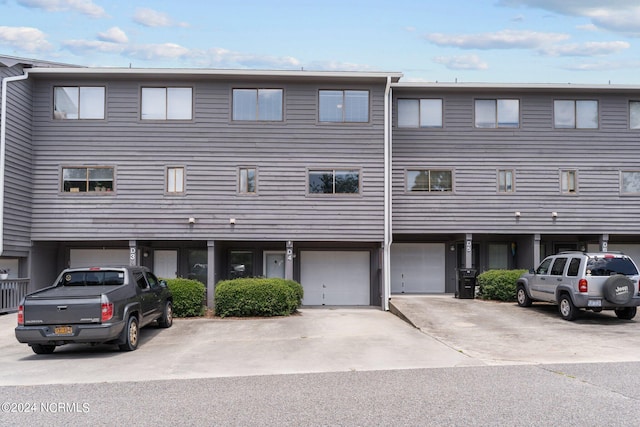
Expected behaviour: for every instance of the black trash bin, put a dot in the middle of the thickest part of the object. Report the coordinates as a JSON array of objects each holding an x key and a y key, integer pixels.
[{"x": 466, "y": 283}]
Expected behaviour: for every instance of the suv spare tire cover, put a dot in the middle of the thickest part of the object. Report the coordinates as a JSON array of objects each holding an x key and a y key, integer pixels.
[{"x": 618, "y": 289}]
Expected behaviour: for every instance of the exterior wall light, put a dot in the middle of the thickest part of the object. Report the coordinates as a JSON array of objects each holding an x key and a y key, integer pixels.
[
  {"x": 517, "y": 214},
  {"x": 554, "y": 214},
  {"x": 232, "y": 221},
  {"x": 192, "y": 220}
]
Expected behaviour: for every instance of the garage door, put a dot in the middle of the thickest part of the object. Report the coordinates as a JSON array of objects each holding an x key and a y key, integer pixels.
[
  {"x": 632, "y": 250},
  {"x": 417, "y": 268},
  {"x": 98, "y": 257},
  {"x": 335, "y": 277}
]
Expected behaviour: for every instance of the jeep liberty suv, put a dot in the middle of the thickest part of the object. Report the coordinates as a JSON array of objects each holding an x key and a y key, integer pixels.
[{"x": 576, "y": 280}]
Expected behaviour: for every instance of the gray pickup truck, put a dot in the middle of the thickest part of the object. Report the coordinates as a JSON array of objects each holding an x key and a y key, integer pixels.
[{"x": 94, "y": 305}]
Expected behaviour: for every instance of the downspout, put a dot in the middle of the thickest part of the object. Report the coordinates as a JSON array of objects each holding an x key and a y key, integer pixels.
[
  {"x": 388, "y": 234},
  {"x": 3, "y": 142}
]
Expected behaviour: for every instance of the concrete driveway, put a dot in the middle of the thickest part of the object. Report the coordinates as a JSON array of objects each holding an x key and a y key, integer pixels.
[{"x": 503, "y": 333}]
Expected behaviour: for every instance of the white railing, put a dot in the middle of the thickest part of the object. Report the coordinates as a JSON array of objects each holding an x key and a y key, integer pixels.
[{"x": 11, "y": 293}]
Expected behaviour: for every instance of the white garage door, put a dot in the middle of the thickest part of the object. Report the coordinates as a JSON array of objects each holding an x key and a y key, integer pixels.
[
  {"x": 335, "y": 277},
  {"x": 417, "y": 268},
  {"x": 98, "y": 257}
]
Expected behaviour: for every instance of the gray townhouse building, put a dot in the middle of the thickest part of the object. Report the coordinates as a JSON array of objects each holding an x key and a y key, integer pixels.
[{"x": 355, "y": 184}]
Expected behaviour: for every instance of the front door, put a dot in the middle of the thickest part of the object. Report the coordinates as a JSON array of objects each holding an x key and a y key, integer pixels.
[
  {"x": 274, "y": 264},
  {"x": 165, "y": 263}
]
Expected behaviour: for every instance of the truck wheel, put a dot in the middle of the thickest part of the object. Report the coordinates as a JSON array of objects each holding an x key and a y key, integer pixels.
[
  {"x": 131, "y": 335},
  {"x": 618, "y": 289},
  {"x": 568, "y": 310},
  {"x": 166, "y": 320},
  {"x": 43, "y": 348},
  {"x": 523, "y": 298},
  {"x": 626, "y": 313}
]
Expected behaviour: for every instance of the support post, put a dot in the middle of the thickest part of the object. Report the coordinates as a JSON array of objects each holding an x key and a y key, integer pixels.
[{"x": 288, "y": 261}]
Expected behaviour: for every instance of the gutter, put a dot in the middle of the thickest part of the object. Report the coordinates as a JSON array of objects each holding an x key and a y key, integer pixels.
[
  {"x": 3, "y": 146},
  {"x": 388, "y": 234}
]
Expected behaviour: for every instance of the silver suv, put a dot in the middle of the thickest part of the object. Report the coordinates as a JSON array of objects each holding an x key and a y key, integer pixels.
[{"x": 575, "y": 280}]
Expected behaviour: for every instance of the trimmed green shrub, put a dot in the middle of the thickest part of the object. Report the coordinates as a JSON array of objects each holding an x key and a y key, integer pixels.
[
  {"x": 257, "y": 297},
  {"x": 499, "y": 285},
  {"x": 188, "y": 297}
]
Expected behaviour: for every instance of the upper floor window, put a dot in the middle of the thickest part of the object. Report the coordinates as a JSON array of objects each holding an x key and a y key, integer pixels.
[
  {"x": 575, "y": 114},
  {"x": 78, "y": 102},
  {"x": 424, "y": 113},
  {"x": 506, "y": 181},
  {"x": 257, "y": 104},
  {"x": 167, "y": 103},
  {"x": 344, "y": 106},
  {"x": 87, "y": 179},
  {"x": 634, "y": 114},
  {"x": 497, "y": 113},
  {"x": 630, "y": 182},
  {"x": 334, "y": 181},
  {"x": 175, "y": 180},
  {"x": 569, "y": 181},
  {"x": 247, "y": 181},
  {"x": 429, "y": 180}
]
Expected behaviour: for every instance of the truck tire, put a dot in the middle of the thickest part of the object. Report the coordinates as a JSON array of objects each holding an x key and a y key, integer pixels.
[
  {"x": 522, "y": 297},
  {"x": 43, "y": 348},
  {"x": 618, "y": 289},
  {"x": 131, "y": 333},
  {"x": 567, "y": 309},
  {"x": 626, "y": 313},
  {"x": 166, "y": 320}
]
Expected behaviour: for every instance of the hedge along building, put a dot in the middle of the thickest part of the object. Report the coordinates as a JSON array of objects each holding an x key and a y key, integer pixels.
[{"x": 210, "y": 174}]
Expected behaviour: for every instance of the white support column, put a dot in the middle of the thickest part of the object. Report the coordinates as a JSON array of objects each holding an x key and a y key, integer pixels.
[
  {"x": 211, "y": 270},
  {"x": 604, "y": 242},
  {"x": 133, "y": 254},
  {"x": 288, "y": 261},
  {"x": 468, "y": 251},
  {"x": 536, "y": 250}
]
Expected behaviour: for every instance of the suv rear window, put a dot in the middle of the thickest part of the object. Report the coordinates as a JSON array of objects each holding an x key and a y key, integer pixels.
[
  {"x": 92, "y": 278},
  {"x": 611, "y": 266}
]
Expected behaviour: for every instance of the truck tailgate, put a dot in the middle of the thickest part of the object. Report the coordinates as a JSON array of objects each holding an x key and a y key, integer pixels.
[{"x": 63, "y": 306}]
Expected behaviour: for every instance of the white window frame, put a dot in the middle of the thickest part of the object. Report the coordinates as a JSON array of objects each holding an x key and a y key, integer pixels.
[
  {"x": 634, "y": 114},
  {"x": 577, "y": 120},
  {"x": 636, "y": 173},
  {"x": 508, "y": 176},
  {"x": 429, "y": 188},
  {"x": 166, "y": 103},
  {"x": 569, "y": 181},
  {"x": 85, "y": 95},
  {"x": 175, "y": 180},
  {"x": 497, "y": 121},
  {"x": 426, "y": 116},
  {"x": 258, "y": 92},
  {"x": 343, "y": 106}
]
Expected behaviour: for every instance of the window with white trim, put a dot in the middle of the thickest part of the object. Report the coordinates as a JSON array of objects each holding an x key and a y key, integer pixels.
[
  {"x": 569, "y": 181},
  {"x": 634, "y": 114},
  {"x": 342, "y": 106},
  {"x": 257, "y": 104},
  {"x": 497, "y": 113},
  {"x": 429, "y": 180},
  {"x": 95, "y": 179},
  {"x": 175, "y": 180},
  {"x": 575, "y": 114},
  {"x": 334, "y": 181},
  {"x": 78, "y": 103},
  {"x": 247, "y": 181},
  {"x": 506, "y": 181},
  {"x": 167, "y": 103},
  {"x": 630, "y": 182},
  {"x": 423, "y": 113}
]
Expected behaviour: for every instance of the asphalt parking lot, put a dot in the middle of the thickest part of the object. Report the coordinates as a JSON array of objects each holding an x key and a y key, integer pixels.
[{"x": 448, "y": 332}]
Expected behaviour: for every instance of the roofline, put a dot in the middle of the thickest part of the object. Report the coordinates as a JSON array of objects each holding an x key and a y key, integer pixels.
[
  {"x": 10, "y": 61},
  {"x": 204, "y": 72},
  {"x": 513, "y": 86}
]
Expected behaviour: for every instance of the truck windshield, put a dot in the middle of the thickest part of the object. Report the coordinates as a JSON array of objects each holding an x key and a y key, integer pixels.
[{"x": 92, "y": 278}]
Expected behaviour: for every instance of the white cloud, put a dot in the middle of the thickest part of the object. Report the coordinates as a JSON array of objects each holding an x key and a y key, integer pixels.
[
  {"x": 220, "y": 57},
  {"x": 86, "y": 7},
  {"x": 82, "y": 47},
  {"x": 463, "y": 62},
  {"x": 585, "y": 49},
  {"x": 114, "y": 35},
  {"x": 153, "y": 18},
  {"x": 28, "y": 38},
  {"x": 157, "y": 51},
  {"x": 505, "y": 39},
  {"x": 604, "y": 66}
]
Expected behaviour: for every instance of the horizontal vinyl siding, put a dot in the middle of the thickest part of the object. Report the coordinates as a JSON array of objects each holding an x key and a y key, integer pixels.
[
  {"x": 18, "y": 166},
  {"x": 537, "y": 152},
  {"x": 211, "y": 148}
]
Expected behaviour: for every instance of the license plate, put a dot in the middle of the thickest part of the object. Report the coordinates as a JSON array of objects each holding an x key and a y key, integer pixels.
[
  {"x": 594, "y": 303},
  {"x": 63, "y": 330}
]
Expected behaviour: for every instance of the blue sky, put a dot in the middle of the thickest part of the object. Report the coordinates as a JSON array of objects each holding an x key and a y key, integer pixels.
[{"x": 508, "y": 41}]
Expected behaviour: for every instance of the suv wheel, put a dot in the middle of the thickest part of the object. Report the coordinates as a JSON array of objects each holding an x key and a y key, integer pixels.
[
  {"x": 522, "y": 297},
  {"x": 568, "y": 310},
  {"x": 626, "y": 313}
]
